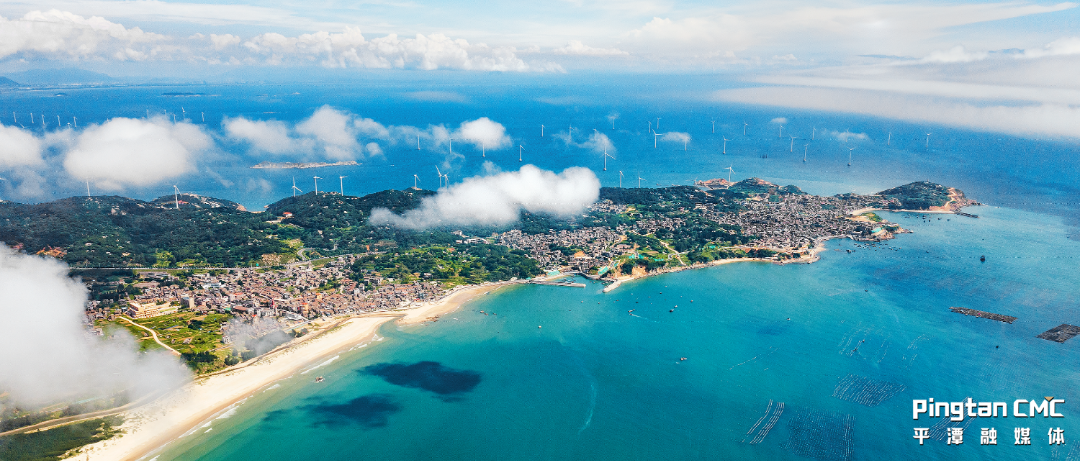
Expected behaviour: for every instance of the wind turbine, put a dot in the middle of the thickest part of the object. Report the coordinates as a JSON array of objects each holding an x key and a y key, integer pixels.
[
  {"x": 570, "y": 134},
  {"x": 541, "y": 131},
  {"x": 58, "y": 122},
  {"x": 184, "y": 112},
  {"x": 87, "y": 188},
  {"x": 317, "y": 185},
  {"x": 620, "y": 179},
  {"x": 451, "y": 145},
  {"x": 849, "y": 155},
  {"x": 928, "y": 140},
  {"x": 417, "y": 142},
  {"x": 685, "y": 142},
  {"x": 483, "y": 149},
  {"x": 203, "y": 116},
  {"x": 31, "y": 118},
  {"x": 176, "y": 196},
  {"x": 744, "y": 125},
  {"x": 654, "y": 135},
  {"x": 650, "y": 125},
  {"x": 804, "y": 152},
  {"x": 639, "y": 179},
  {"x": 341, "y": 183},
  {"x": 714, "y": 126},
  {"x": 16, "y": 117},
  {"x": 813, "y": 134},
  {"x": 889, "y": 141},
  {"x": 729, "y": 171},
  {"x": 439, "y": 173},
  {"x": 781, "y": 134},
  {"x": 75, "y": 121},
  {"x": 416, "y": 181},
  {"x": 792, "y": 147},
  {"x": 294, "y": 188},
  {"x": 606, "y": 156},
  {"x": 658, "y": 123},
  {"x": 520, "y": 148}
]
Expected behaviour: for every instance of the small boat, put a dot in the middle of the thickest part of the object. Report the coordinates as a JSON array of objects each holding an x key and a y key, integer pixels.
[
  {"x": 682, "y": 359},
  {"x": 319, "y": 379},
  {"x": 982, "y": 258}
]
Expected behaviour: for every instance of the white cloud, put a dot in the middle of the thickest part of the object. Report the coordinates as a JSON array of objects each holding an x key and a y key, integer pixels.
[
  {"x": 1031, "y": 119},
  {"x": 135, "y": 152},
  {"x": 675, "y": 136},
  {"x": 351, "y": 49},
  {"x": 845, "y": 136},
  {"x": 955, "y": 54},
  {"x": 62, "y": 33},
  {"x": 50, "y": 357},
  {"x": 576, "y": 48},
  {"x": 500, "y": 198},
  {"x": 1061, "y": 47},
  {"x": 221, "y": 42},
  {"x": 599, "y": 143},
  {"x": 483, "y": 133},
  {"x": 333, "y": 130},
  {"x": 268, "y": 136},
  {"x": 18, "y": 147},
  {"x": 373, "y": 149},
  {"x": 779, "y": 120}
]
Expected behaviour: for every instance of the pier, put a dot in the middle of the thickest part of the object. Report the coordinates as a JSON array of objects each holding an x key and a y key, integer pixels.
[
  {"x": 1060, "y": 333},
  {"x": 983, "y": 314},
  {"x": 558, "y": 284},
  {"x": 961, "y": 213}
]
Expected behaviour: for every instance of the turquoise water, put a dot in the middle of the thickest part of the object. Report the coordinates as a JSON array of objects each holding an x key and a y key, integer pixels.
[{"x": 599, "y": 382}]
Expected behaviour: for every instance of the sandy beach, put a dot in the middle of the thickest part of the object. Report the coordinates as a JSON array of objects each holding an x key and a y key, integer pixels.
[{"x": 150, "y": 427}]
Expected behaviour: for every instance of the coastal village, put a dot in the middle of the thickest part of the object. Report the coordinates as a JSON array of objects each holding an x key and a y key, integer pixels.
[{"x": 780, "y": 224}]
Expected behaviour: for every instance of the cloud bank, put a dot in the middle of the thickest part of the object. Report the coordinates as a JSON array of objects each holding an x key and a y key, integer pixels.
[
  {"x": 135, "y": 152},
  {"x": 47, "y": 356},
  {"x": 499, "y": 199}
]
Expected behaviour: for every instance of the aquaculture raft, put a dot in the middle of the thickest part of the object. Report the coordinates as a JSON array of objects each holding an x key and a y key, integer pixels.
[
  {"x": 1060, "y": 333},
  {"x": 985, "y": 315}
]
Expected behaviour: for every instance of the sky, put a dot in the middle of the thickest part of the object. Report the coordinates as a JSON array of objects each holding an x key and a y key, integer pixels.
[
  {"x": 1006, "y": 67},
  {"x": 994, "y": 65}
]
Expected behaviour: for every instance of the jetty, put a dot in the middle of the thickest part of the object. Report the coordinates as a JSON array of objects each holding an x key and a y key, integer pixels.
[
  {"x": 961, "y": 213},
  {"x": 983, "y": 314},
  {"x": 1060, "y": 333},
  {"x": 558, "y": 284}
]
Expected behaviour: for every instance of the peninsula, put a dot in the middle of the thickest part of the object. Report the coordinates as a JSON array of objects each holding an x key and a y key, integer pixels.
[{"x": 301, "y": 165}]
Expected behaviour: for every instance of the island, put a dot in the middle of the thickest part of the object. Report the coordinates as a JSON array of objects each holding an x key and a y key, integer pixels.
[
  {"x": 180, "y": 271},
  {"x": 301, "y": 165}
]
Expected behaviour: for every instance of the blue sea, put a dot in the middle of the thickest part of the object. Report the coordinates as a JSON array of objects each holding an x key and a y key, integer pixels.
[{"x": 844, "y": 344}]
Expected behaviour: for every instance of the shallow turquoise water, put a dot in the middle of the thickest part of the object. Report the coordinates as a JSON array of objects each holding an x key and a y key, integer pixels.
[{"x": 599, "y": 382}]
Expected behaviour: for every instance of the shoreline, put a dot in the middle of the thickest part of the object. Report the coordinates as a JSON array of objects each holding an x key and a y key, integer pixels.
[{"x": 151, "y": 427}]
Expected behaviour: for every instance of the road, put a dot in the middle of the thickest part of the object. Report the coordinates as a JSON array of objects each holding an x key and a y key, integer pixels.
[{"x": 152, "y": 332}]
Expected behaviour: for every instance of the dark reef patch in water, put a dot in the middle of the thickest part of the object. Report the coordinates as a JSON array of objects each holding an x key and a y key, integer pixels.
[
  {"x": 369, "y": 411},
  {"x": 427, "y": 375}
]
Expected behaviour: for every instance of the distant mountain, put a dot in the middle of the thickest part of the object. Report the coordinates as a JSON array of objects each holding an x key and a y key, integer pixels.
[
  {"x": 66, "y": 76},
  {"x": 7, "y": 82}
]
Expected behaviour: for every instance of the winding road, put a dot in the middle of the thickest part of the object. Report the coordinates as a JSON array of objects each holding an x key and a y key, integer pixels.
[{"x": 152, "y": 332}]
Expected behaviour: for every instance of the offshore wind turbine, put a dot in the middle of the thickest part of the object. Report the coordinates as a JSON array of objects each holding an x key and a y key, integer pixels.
[
  {"x": 57, "y": 122},
  {"x": 791, "y": 148},
  {"x": 570, "y": 134},
  {"x": 541, "y": 131},
  {"x": 928, "y": 140},
  {"x": 658, "y": 123},
  {"x": 714, "y": 126},
  {"x": 75, "y": 121},
  {"x": 650, "y": 125},
  {"x": 417, "y": 142},
  {"x": 203, "y": 116},
  {"x": 804, "y": 152},
  {"x": 685, "y": 142},
  {"x": 451, "y": 145},
  {"x": 654, "y": 135},
  {"x": 341, "y": 183},
  {"x": 606, "y": 156},
  {"x": 483, "y": 149},
  {"x": 888, "y": 142},
  {"x": 520, "y": 148},
  {"x": 744, "y": 125},
  {"x": 176, "y": 196},
  {"x": 725, "y": 145},
  {"x": 849, "y": 155},
  {"x": 729, "y": 171},
  {"x": 317, "y": 185},
  {"x": 87, "y": 188},
  {"x": 813, "y": 134},
  {"x": 781, "y": 134},
  {"x": 16, "y": 117}
]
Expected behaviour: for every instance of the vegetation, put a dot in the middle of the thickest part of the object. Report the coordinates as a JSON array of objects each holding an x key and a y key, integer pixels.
[
  {"x": 57, "y": 442},
  {"x": 919, "y": 195},
  {"x": 451, "y": 265}
]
